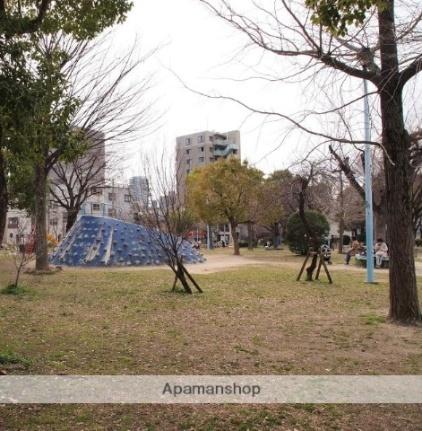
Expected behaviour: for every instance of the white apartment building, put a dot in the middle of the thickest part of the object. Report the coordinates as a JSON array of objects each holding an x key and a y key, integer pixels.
[
  {"x": 199, "y": 149},
  {"x": 140, "y": 191},
  {"x": 113, "y": 200},
  {"x": 107, "y": 199}
]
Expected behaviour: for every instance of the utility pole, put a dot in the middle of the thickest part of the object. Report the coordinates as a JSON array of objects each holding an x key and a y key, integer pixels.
[
  {"x": 369, "y": 215},
  {"x": 341, "y": 218}
]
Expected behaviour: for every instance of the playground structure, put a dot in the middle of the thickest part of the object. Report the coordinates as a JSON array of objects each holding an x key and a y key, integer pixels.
[{"x": 103, "y": 241}]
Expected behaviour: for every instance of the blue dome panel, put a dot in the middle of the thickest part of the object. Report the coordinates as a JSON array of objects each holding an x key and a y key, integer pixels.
[{"x": 103, "y": 241}]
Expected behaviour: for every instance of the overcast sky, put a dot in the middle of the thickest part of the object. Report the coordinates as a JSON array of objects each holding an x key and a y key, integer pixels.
[
  {"x": 206, "y": 53},
  {"x": 202, "y": 50}
]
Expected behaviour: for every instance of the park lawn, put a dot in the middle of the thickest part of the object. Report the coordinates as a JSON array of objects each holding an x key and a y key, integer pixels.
[
  {"x": 271, "y": 255},
  {"x": 253, "y": 320}
]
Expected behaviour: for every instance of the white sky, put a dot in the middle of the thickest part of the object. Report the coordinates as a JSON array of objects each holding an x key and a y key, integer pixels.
[
  {"x": 204, "y": 52},
  {"x": 200, "y": 48}
]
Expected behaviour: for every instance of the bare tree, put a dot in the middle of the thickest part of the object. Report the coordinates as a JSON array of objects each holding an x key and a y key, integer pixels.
[
  {"x": 113, "y": 112},
  {"x": 352, "y": 172},
  {"x": 305, "y": 195},
  {"x": 385, "y": 51},
  {"x": 22, "y": 254},
  {"x": 168, "y": 219},
  {"x": 72, "y": 183},
  {"x": 274, "y": 203}
]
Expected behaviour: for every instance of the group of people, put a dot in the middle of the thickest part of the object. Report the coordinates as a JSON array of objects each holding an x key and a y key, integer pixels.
[
  {"x": 380, "y": 250},
  {"x": 196, "y": 245}
]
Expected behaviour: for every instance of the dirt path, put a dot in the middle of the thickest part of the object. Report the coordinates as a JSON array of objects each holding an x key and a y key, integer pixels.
[
  {"x": 223, "y": 262},
  {"x": 220, "y": 263}
]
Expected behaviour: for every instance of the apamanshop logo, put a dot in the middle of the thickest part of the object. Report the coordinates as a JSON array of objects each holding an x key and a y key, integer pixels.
[{"x": 210, "y": 390}]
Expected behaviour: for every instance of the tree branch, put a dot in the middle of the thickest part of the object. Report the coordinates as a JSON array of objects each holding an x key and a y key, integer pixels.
[{"x": 410, "y": 71}]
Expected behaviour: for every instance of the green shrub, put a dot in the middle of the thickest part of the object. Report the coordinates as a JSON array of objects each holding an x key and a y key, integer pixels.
[
  {"x": 245, "y": 243},
  {"x": 11, "y": 289},
  {"x": 346, "y": 240},
  {"x": 296, "y": 234},
  {"x": 8, "y": 357}
]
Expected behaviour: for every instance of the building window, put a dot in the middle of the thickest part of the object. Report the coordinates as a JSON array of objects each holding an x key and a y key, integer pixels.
[
  {"x": 188, "y": 141},
  {"x": 202, "y": 149},
  {"x": 201, "y": 160},
  {"x": 187, "y": 171},
  {"x": 111, "y": 196},
  {"x": 110, "y": 212},
  {"x": 212, "y": 159},
  {"x": 188, "y": 162},
  {"x": 13, "y": 222},
  {"x": 95, "y": 191},
  {"x": 187, "y": 151},
  {"x": 53, "y": 222},
  {"x": 95, "y": 207},
  {"x": 200, "y": 138},
  {"x": 127, "y": 198}
]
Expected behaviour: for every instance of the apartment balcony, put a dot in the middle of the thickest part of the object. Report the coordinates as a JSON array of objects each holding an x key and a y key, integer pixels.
[{"x": 221, "y": 150}]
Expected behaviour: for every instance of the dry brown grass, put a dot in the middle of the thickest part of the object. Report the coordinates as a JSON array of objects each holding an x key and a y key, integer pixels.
[{"x": 253, "y": 320}]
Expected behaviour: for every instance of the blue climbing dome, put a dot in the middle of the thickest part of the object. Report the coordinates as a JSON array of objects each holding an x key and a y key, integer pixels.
[{"x": 103, "y": 241}]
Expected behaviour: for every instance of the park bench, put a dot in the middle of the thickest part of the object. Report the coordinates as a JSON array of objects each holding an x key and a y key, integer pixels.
[{"x": 360, "y": 260}]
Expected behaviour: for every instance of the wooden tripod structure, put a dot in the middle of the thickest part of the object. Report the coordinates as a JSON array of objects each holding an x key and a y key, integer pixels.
[{"x": 321, "y": 262}]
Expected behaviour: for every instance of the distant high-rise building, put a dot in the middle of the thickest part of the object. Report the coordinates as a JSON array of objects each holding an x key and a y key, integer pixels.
[
  {"x": 200, "y": 149},
  {"x": 139, "y": 190}
]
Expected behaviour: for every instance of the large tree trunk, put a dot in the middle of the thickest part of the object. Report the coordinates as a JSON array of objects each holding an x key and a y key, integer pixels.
[
  {"x": 340, "y": 235},
  {"x": 276, "y": 235},
  {"x": 41, "y": 244},
  {"x": 380, "y": 222},
  {"x": 404, "y": 304},
  {"x": 72, "y": 215},
  {"x": 250, "y": 235},
  {"x": 235, "y": 236},
  {"x": 3, "y": 197}
]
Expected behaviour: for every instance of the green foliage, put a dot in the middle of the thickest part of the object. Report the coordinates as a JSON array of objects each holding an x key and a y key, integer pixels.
[
  {"x": 21, "y": 183},
  {"x": 9, "y": 357},
  {"x": 337, "y": 15},
  {"x": 223, "y": 190},
  {"x": 373, "y": 319},
  {"x": 181, "y": 221},
  {"x": 81, "y": 19},
  {"x": 11, "y": 289},
  {"x": 85, "y": 20},
  {"x": 346, "y": 240},
  {"x": 296, "y": 235},
  {"x": 36, "y": 101}
]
